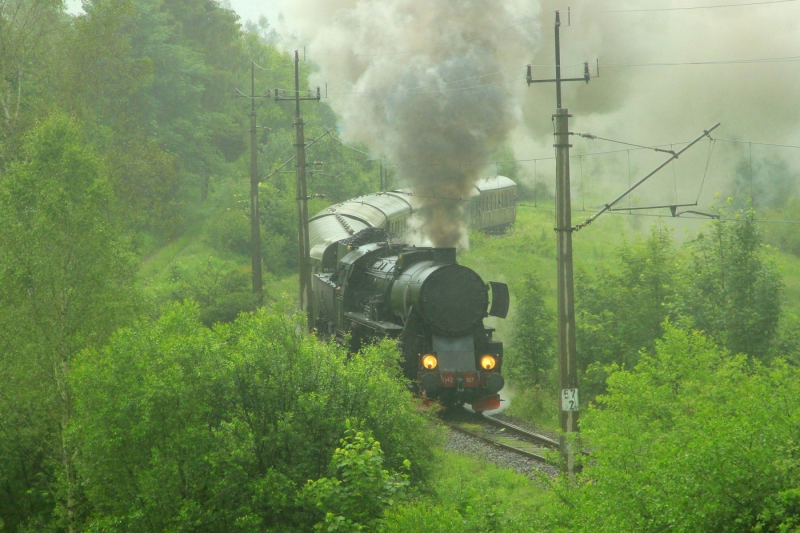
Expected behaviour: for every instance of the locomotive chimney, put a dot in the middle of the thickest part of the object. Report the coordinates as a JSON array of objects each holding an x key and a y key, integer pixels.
[{"x": 444, "y": 256}]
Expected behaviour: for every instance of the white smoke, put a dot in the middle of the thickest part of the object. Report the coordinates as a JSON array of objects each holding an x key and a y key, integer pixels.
[
  {"x": 427, "y": 84},
  {"x": 392, "y": 68}
]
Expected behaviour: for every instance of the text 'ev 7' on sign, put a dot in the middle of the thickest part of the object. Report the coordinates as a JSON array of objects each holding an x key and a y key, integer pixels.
[{"x": 569, "y": 399}]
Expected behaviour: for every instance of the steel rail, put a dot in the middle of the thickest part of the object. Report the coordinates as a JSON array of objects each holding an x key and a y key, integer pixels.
[
  {"x": 496, "y": 443},
  {"x": 541, "y": 439}
]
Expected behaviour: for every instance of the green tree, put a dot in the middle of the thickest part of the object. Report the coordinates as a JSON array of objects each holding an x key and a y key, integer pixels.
[
  {"x": 534, "y": 333},
  {"x": 692, "y": 439},
  {"x": 102, "y": 81},
  {"x": 66, "y": 283},
  {"x": 359, "y": 490},
  {"x": 736, "y": 286},
  {"x": 182, "y": 426},
  {"x": 621, "y": 308},
  {"x": 29, "y": 29}
]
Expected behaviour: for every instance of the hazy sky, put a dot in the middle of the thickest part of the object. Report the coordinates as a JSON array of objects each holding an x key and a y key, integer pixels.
[{"x": 252, "y": 9}]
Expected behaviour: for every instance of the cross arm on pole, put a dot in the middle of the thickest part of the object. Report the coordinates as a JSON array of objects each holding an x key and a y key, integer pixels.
[
  {"x": 240, "y": 94},
  {"x": 280, "y": 98},
  {"x": 268, "y": 176},
  {"x": 586, "y": 76},
  {"x": 608, "y": 206}
]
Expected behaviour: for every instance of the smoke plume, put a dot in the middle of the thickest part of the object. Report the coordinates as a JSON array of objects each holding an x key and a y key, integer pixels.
[
  {"x": 427, "y": 84},
  {"x": 667, "y": 73}
]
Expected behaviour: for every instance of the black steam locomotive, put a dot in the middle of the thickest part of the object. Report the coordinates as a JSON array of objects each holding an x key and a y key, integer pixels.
[{"x": 373, "y": 288}]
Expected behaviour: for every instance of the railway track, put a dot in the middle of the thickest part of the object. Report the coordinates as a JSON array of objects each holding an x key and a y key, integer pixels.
[{"x": 501, "y": 434}]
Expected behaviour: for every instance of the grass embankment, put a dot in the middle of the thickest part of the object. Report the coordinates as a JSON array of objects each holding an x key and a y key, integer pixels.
[
  {"x": 163, "y": 270},
  {"x": 469, "y": 494}
]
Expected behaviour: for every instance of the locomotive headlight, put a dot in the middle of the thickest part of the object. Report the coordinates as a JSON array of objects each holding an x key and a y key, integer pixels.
[
  {"x": 488, "y": 362},
  {"x": 430, "y": 362}
]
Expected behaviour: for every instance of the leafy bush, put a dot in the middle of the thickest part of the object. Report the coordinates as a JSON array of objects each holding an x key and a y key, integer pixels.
[
  {"x": 359, "y": 489},
  {"x": 692, "y": 439},
  {"x": 228, "y": 230},
  {"x": 185, "y": 427},
  {"x": 221, "y": 289}
]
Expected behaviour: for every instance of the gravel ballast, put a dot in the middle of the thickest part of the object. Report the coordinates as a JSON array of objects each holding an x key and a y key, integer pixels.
[{"x": 460, "y": 443}]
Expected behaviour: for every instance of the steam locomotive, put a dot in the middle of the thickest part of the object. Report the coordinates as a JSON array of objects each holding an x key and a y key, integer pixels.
[{"x": 368, "y": 285}]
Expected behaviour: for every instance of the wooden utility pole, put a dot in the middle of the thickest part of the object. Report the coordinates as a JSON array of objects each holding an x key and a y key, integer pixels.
[
  {"x": 255, "y": 221},
  {"x": 567, "y": 353},
  {"x": 304, "y": 259}
]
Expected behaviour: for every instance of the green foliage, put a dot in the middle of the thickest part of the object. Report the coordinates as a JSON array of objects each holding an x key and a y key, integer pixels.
[
  {"x": 229, "y": 231},
  {"x": 279, "y": 223},
  {"x": 221, "y": 289},
  {"x": 692, "y": 439},
  {"x": 735, "y": 287},
  {"x": 359, "y": 489},
  {"x": 781, "y": 512},
  {"x": 534, "y": 334},
  {"x": 66, "y": 283},
  {"x": 29, "y": 29},
  {"x": 185, "y": 427},
  {"x": 620, "y": 309},
  {"x": 469, "y": 495},
  {"x": 724, "y": 282}
]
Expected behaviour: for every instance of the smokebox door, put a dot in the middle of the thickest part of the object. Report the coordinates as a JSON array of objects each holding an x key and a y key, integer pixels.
[{"x": 500, "y": 299}]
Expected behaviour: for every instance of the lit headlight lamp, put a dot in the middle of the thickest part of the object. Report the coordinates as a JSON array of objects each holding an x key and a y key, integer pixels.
[
  {"x": 488, "y": 362},
  {"x": 429, "y": 362}
]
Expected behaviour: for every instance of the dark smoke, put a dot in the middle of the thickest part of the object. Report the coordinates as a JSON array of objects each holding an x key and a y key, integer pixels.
[
  {"x": 434, "y": 137},
  {"x": 433, "y": 85}
]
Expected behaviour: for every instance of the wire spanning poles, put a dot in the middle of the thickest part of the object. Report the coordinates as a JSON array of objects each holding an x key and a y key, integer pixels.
[{"x": 674, "y": 155}]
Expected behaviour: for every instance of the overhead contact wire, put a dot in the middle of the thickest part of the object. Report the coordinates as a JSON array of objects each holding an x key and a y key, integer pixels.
[{"x": 690, "y": 8}]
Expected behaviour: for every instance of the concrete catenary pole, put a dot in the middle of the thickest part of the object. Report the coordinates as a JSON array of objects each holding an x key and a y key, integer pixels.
[
  {"x": 303, "y": 256},
  {"x": 302, "y": 198},
  {"x": 567, "y": 352},
  {"x": 255, "y": 221}
]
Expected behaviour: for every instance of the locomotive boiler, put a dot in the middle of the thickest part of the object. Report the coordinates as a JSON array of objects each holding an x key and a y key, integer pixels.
[{"x": 425, "y": 299}]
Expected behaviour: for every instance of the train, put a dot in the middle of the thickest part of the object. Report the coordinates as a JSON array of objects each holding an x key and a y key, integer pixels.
[
  {"x": 491, "y": 208},
  {"x": 368, "y": 285}
]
